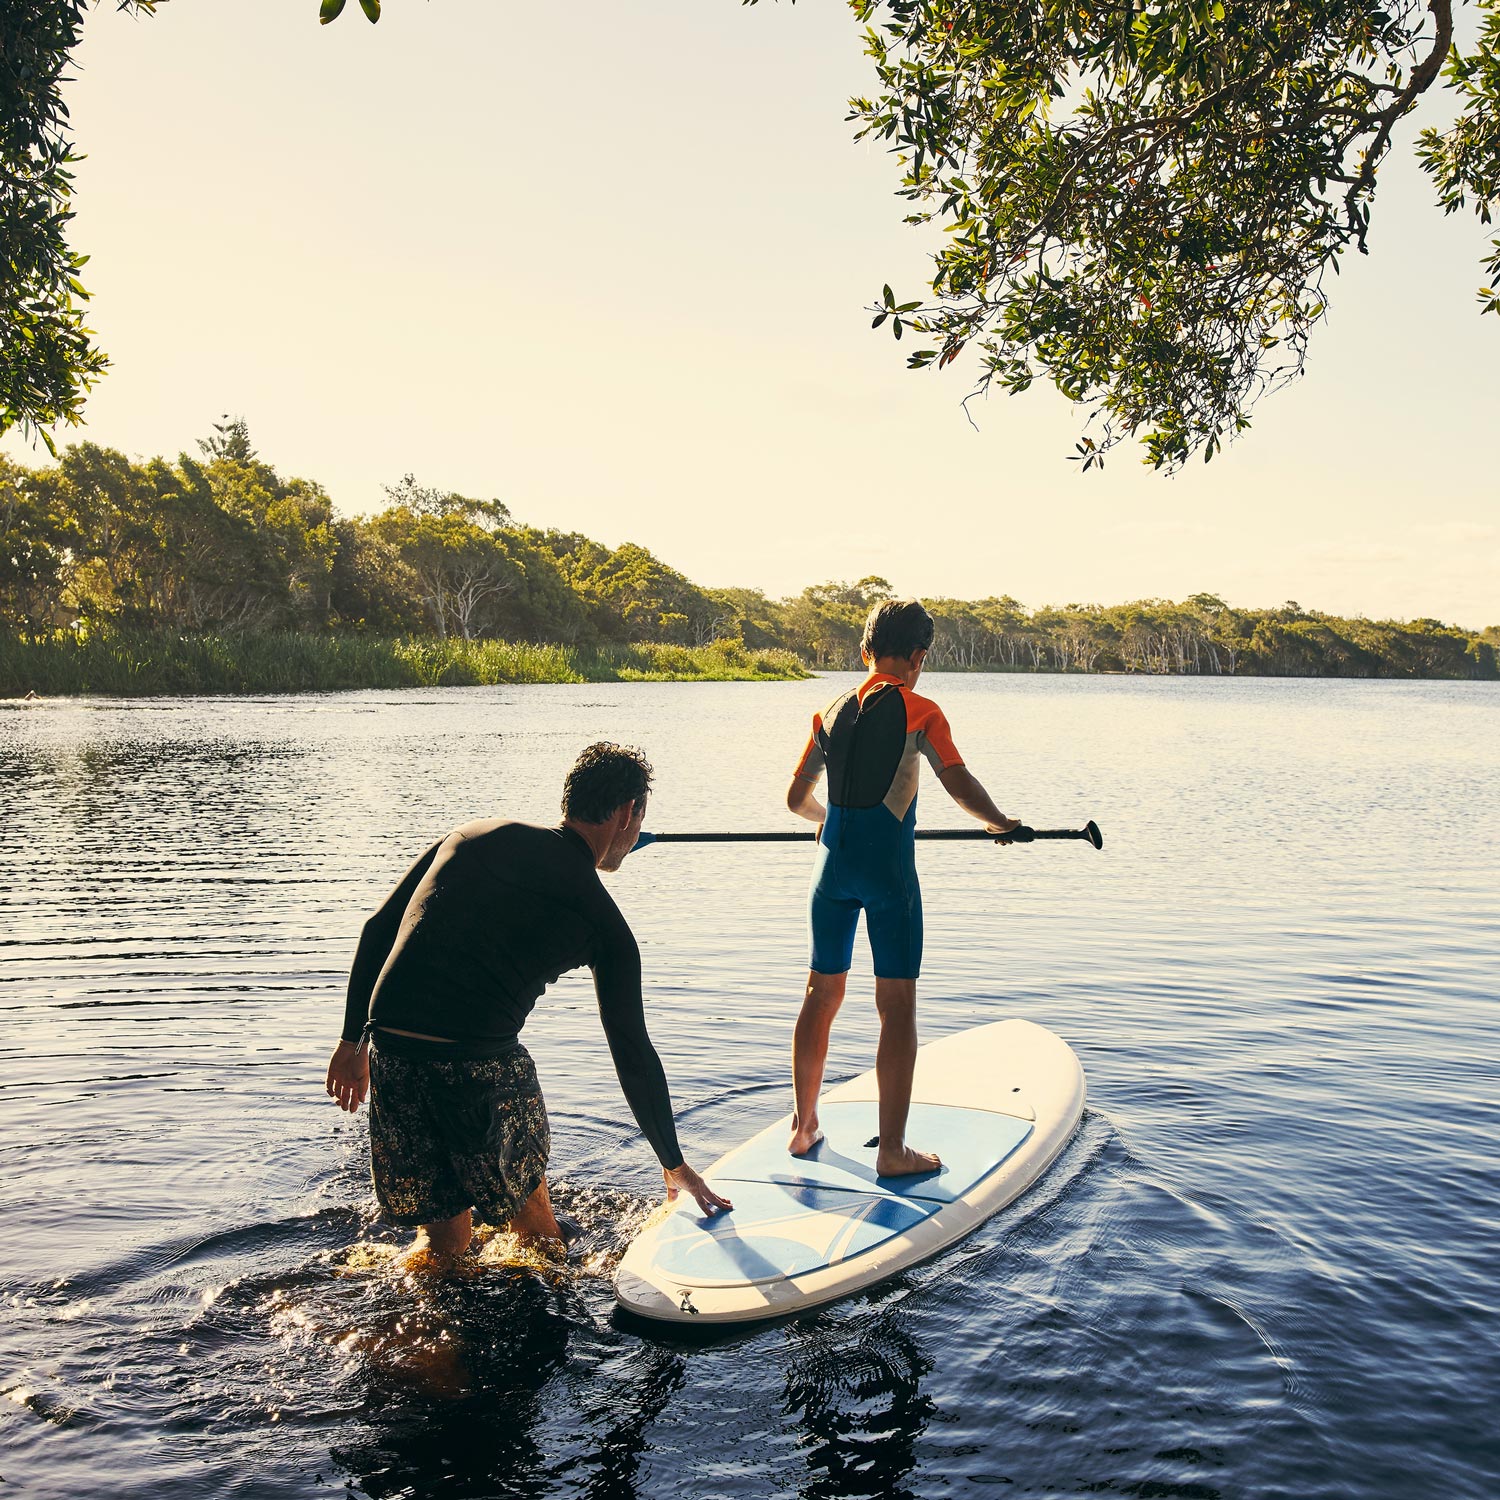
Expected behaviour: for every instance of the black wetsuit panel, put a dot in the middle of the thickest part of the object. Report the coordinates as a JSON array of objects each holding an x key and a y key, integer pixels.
[
  {"x": 480, "y": 926},
  {"x": 863, "y": 744}
]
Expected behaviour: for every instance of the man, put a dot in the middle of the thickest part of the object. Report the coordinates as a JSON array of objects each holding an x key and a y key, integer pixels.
[
  {"x": 872, "y": 742},
  {"x": 446, "y": 973}
]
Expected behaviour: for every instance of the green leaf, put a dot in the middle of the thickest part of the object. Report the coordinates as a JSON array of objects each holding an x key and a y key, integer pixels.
[
  {"x": 329, "y": 10},
  {"x": 889, "y": 297},
  {"x": 371, "y": 8}
]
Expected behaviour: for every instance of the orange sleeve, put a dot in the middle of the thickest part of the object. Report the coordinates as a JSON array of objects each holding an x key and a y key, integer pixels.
[
  {"x": 812, "y": 762},
  {"x": 934, "y": 738}
]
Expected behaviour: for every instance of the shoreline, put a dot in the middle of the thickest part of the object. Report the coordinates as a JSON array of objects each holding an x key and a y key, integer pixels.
[
  {"x": 160, "y": 664},
  {"x": 166, "y": 664}
]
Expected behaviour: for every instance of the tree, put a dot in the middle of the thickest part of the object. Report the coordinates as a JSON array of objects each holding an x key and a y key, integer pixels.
[
  {"x": 747, "y": 615},
  {"x": 631, "y": 595},
  {"x": 454, "y": 547},
  {"x": 330, "y": 10},
  {"x": 231, "y": 439},
  {"x": 371, "y": 586},
  {"x": 1144, "y": 202},
  {"x": 47, "y": 362},
  {"x": 36, "y": 538},
  {"x": 425, "y": 501}
]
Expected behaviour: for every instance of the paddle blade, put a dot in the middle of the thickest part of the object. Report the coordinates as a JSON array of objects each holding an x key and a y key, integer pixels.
[
  {"x": 642, "y": 842},
  {"x": 1095, "y": 837}
]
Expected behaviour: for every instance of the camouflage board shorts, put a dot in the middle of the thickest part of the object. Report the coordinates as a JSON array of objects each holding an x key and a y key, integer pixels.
[{"x": 451, "y": 1133}]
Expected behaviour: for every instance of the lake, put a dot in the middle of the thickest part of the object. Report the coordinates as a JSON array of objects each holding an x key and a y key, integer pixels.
[{"x": 1266, "y": 1265}]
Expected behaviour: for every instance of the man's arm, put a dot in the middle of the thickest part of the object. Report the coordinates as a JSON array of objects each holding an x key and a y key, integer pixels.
[
  {"x": 348, "y": 1078},
  {"x": 617, "y": 980},
  {"x": 965, "y": 789}
]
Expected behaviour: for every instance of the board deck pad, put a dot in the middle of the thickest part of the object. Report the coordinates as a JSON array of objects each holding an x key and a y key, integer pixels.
[
  {"x": 971, "y": 1143},
  {"x": 776, "y": 1230},
  {"x": 793, "y": 1215}
]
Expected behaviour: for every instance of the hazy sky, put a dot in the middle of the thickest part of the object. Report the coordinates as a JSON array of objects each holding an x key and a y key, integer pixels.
[{"x": 608, "y": 263}]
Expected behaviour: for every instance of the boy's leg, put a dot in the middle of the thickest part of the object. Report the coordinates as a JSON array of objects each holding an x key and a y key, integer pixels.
[
  {"x": 895, "y": 1061},
  {"x": 820, "y": 1004}
]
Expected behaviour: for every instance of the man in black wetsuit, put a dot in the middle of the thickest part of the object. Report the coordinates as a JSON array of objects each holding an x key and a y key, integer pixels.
[{"x": 446, "y": 973}]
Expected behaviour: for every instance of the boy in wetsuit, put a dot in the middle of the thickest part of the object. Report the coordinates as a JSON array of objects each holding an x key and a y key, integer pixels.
[{"x": 872, "y": 742}]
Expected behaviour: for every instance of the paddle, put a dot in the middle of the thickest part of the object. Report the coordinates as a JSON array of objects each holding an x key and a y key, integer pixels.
[{"x": 1021, "y": 835}]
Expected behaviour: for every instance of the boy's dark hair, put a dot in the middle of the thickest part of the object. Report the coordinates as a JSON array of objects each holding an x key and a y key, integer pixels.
[
  {"x": 603, "y": 777},
  {"x": 897, "y": 628}
]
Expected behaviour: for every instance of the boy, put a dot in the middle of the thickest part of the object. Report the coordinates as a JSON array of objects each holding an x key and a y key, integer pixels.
[{"x": 871, "y": 741}]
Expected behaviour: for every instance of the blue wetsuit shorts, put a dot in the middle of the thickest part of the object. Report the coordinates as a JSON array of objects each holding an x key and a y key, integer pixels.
[{"x": 866, "y": 861}]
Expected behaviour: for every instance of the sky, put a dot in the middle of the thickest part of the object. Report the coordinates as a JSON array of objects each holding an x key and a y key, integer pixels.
[{"x": 609, "y": 264}]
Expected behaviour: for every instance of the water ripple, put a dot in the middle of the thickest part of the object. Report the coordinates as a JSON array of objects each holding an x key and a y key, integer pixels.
[{"x": 1262, "y": 1267}]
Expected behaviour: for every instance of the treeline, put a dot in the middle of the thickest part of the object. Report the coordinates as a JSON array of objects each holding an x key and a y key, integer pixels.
[
  {"x": 219, "y": 545},
  {"x": 1203, "y": 636}
]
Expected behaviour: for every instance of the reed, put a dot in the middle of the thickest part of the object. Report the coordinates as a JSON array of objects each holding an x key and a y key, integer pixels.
[{"x": 157, "y": 663}]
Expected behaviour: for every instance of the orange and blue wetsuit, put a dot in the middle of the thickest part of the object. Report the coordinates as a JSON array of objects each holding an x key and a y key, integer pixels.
[{"x": 872, "y": 741}]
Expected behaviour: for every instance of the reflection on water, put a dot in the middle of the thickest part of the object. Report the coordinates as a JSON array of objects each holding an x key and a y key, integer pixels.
[
  {"x": 1263, "y": 1267},
  {"x": 858, "y": 1395}
]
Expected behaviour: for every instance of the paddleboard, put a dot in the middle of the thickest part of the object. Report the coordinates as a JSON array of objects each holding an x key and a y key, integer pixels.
[{"x": 997, "y": 1103}]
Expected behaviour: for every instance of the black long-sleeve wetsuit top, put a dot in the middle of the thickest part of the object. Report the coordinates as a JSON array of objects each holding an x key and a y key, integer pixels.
[{"x": 482, "y": 923}]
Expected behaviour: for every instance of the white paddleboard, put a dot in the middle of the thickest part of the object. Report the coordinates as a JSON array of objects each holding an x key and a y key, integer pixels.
[{"x": 996, "y": 1103}]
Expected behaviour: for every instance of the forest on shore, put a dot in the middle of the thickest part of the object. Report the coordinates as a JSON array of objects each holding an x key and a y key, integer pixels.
[{"x": 214, "y": 573}]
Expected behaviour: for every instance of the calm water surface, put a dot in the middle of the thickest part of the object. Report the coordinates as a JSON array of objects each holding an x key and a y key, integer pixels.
[{"x": 1267, "y": 1265}]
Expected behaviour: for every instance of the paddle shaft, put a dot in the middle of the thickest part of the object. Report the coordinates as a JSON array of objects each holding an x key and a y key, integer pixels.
[{"x": 1021, "y": 835}]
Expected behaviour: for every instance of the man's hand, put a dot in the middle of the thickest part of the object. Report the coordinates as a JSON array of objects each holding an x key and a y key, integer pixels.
[
  {"x": 684, "y": 1179},
  {"x": 349, "y": 1075},
  {"x": 1004, "y": 826}
]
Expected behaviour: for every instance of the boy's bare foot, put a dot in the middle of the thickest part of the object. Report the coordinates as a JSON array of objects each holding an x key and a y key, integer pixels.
[
  {"x": 804, "y": 1139},
  {"x": 904, "y": 1162}
]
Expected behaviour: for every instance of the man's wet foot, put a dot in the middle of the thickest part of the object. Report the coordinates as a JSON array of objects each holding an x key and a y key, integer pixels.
[
  {"x": 804, "y": 1141},
  {"x": 904, "y": 1162},
  {"x": 422, "y": 1258}
]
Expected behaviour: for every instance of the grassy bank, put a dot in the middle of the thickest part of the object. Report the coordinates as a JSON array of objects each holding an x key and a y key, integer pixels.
[{"x": 154, "y": 663}]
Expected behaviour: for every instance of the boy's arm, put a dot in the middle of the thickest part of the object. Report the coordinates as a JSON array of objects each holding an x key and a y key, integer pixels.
[
  {"x": 800, "y": 796},
  {"x": 959, "y": 783},
  {"x": 965, "y": 789},
  {"x": 802, "y": 799}
]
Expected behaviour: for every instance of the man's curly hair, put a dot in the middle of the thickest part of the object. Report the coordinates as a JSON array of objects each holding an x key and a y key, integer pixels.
[{"x": 603, "y": 777}]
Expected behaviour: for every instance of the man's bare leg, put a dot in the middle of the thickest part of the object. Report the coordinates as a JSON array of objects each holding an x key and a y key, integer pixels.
[
  {"x": 535, "y": 1221},
  {"x": 825, "y": 993},
  {"x": 895, "y": 1060},
  {"x": 446, "y": 1239}
]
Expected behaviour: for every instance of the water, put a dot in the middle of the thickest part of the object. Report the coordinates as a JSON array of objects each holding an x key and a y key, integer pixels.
[{"x": 1265, "y": 1266}]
